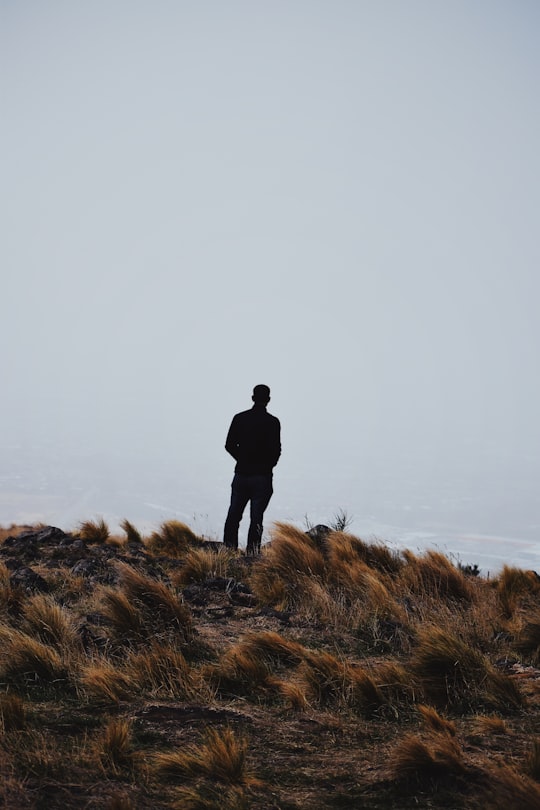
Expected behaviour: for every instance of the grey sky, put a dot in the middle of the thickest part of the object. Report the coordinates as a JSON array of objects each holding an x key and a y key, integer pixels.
[{"x": 340, "y": 199}]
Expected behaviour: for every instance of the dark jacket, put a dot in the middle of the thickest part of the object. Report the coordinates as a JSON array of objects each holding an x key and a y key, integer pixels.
[{"x": 254, "y": 440}]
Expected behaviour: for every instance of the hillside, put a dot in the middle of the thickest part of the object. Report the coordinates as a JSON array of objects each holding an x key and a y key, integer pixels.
[{"x": 167, "y": 672}]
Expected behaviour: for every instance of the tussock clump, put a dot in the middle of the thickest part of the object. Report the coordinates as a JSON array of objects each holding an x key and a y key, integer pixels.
[
  {"x": 94, "y": 531},
  {"x": 489, "y": 724},
  {"x": 200, "y": 564},
  {"x": 207, "y": 797},
  {"x": 133, "y": 535},
  {"x": 271, "y": 647},
  {"x": 12, "y": 713},
  {"x": 434, "y": 575},
  {"x": 221, "y": 757},
  {"x": 247, "y": 667},
  {"x": 528, "y": 640},
  {"x": 116, "y": 746},
  {"x": 514, "y": 585},
  {"x": 290, "y": 692},
  {"x": 434, "y": 721},
  {"x": 120, "y": 801},
  {"x": 396, "y": 684},
  {"x": 331, "y": 682},
  {"x": 505, "y": 788},
  {"x": 345, "y": 549},
  {"x": 6, "y": 593},
  {"x": 532, "y": 761},
  {"x": 172, "y": 540},
  {"x": 107, "y": 683},
  {"x": 144, "y": 608},
  {"x": 28, "y": 662},
  {"x": 239, "y": 672},
  {"x": 50, "y": 622},
  {"x": 162, "y": 672},
  {"x": 433, "y": 760},
  {"x": 291, "y": 559},
  {"x": 453, "y": 673}
]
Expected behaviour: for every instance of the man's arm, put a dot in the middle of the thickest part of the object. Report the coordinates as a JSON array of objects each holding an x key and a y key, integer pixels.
[
  {"x": 231, "y": 443},
  {"x": 276, "y": 444}
]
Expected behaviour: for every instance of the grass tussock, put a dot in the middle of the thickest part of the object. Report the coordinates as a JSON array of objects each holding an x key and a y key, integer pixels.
[
  {"x": 94, "y": 531},
  {"x": 26, "y": 662},
  {"x": 116, "y": 745},
  {"x": 528, "y": 640},
  {"x": 163, "y": 672},
  {"x": 221, "y": 756},
  {"x": 290, "y": 560},
  {"x": 12, "y": 712},
  {"x": 210, "y": 797},
  {"x": 200, "y": 564},
  {"x": 121, "y": 688},
  {"x": 144, "y": 607},
  {"x": 330, "y": 682},
  {"x": 273, "y": 648},
  {"x": 103, "y": 682},
  {"x": 435, "y": 722},
  {"x": 49, "y": 622},
  {"x": 239, "y": 673},
  {"x": 532, "y": 761},
  {"x": 435, "y": 575},
  {"x": 346, "y": 549},
  {"x": 435, "y": 759},
  {"x": 133, "y": 535},
  {"x": 506, "y": 788},
  {"x": 455, "y": 674},
  {"x": 173, "y": 539}
]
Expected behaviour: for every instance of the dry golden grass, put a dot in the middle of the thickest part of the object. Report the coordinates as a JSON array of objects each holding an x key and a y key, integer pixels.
[
  {"x": 292, "y": 693},
  {"x": 94, "y": 531},
  {"x": 14, "y": 531},
  {"x": 26, "y": 662},
  {"x": 239, "y": 673},
  {"x": 116, "y": 746},
  {"x": 200, "y": 564},
  {"x": 12, "y": 712},
  {"x": 454, "y": 673},
  {"x": 103, "y": 682},
  {"x": 221, "y": 756},
  {"x": 505, "y": 788},
  {"x": 513, "y": 587},
  {"x": 433, "y": 721},
  {"x": 334, "y": 683},
  {"x": 437, "y": 758},
  {"x": 292, "y": 559},
  {"x": 433, "y": 574},
  {"x": 133, "y": 535},
  {"x": 532, "y": 761},
  {"x": 345, "y": 549},
  {"x": 528, "y": 641},
  {"x": 172, "y": 540},
  {"x": 106, "y": 690},
  {"x": 211, "y": 797},
  {"x": 490, "y": 724},
  {"x": 163, "y": 672},
  {"x": 144, "y": 608},
  {"x": 49, "y": 622}
]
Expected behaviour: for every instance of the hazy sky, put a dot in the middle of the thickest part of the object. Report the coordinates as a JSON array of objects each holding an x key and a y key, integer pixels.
[{"x": 339, "y": 199}]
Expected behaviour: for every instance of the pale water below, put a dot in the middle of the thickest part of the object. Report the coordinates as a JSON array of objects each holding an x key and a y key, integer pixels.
[{"x": 484, "y": 519}]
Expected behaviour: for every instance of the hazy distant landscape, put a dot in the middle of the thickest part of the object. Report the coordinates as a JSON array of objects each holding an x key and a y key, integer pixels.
[{"x": 475, "y": 517}]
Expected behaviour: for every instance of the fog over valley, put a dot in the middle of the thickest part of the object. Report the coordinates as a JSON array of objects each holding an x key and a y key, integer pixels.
[{"x": 340, "y": 200}]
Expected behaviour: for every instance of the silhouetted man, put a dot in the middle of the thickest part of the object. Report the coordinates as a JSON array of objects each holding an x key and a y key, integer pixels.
[{"x": 254, "y": 440}]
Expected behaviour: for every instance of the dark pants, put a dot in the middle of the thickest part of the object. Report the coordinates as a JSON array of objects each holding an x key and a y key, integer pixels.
[{"x": 258, "y": 490}]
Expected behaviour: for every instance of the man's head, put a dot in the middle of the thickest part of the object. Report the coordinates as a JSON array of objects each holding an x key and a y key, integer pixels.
[{"x": 261, "y": 393}]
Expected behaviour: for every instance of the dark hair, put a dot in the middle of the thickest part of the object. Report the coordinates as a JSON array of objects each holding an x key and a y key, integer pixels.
[{"x": 261, "y": 393}]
